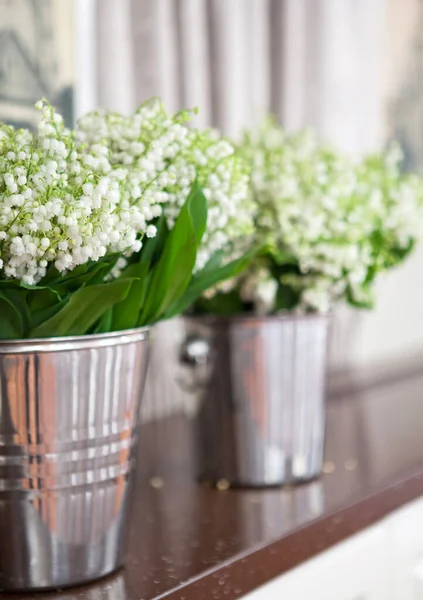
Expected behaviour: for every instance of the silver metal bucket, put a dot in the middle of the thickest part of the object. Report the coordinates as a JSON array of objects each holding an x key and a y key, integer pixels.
[
  {"x": 69, "y": 422},
  {"x": 261, "y": 387}
]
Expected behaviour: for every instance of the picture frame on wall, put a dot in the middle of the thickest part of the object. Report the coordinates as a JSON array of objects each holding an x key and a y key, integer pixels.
[{"x": 37, "y": 59}]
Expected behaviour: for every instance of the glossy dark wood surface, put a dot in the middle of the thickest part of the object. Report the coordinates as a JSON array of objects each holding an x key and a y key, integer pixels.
[{"x": 192, "y": 543}]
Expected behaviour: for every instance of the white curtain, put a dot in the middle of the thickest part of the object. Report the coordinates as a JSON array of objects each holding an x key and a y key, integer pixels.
[
  {"x": 318, "y": 63},
  {"x": 312, "y": 62}
]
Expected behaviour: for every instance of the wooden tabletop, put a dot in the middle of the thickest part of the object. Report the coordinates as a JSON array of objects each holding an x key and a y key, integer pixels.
[{"x": 192, "y": 543}]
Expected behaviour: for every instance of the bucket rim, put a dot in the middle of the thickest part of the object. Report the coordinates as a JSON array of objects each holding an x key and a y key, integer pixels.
[
  {"x": 75, "y": 342},
  {"x": 250, "y": 318}
]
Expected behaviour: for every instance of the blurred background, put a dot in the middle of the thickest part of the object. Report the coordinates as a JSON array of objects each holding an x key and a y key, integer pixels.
[{"x": 352, "y": 69}]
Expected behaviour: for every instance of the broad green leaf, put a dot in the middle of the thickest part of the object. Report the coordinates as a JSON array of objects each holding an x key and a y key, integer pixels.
[
  {"x": 206, "y": 279},
  {"x": 284, "y": 258},
  {"x": 197, "y": 206},
  {"x": 84, "y": 309},
  {"x": 153, "y": 247},
  {"x": 286, "y": 298},
  {"x": 51, "y": 275},
  {"x": 10, "y": 321},
  {"x": 68, "y": 286},
  {"x": 73, "y": 281},
  {"x": 107, "y": 262},
  {"x": 214, "y": 262},
  {"x": 9, "y": 283},
  {"x": 42, "y": 298},
  {"x": 105, "y": 323},
  {"x": 366, "y": 304},
  {"x": 228, "y": 304},
  {"x": 17, "y": 299},
  {"x": 46, "y": 312},
  {"x": 366, "y": 299},
  {"x": 93, "y": 271},
  {"x": 143, "y": 294},
  {"x": 126, "y": 314},
  {"x": 15, "y": 284},
  {"x": 173, "y": 272}
]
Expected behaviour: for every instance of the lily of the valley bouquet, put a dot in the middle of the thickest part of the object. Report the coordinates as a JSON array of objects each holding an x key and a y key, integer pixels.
[
  {"x": 327, "y": 225},
  {"x": 117, "y": 224}
]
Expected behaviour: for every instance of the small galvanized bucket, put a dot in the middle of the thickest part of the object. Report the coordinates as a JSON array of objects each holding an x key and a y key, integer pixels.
[
  {"x": 69, "y": 418},
  {"x": 261, "y": 388}
]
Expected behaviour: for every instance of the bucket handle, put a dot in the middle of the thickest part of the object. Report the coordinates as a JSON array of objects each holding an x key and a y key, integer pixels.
[{"x": 195, "y": 353}]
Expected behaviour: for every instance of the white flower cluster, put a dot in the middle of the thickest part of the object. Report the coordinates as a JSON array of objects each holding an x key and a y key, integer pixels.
[
  {"x": 340, "y": 222},
  {"x": 162, "y": 158},
  {"x": 58, "y": 203}
]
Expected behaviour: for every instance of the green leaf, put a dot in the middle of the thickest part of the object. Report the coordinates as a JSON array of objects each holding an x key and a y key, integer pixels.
[
  {"x": 47, "y": 309},
  {"x": 51, "y": 275},
  {"x": 153, "y": 247},
  {"x": 15, "y": 284},
  {"x": 173, "y": 272},
  {"x": 10, "y": 283},
  {"x": 214, "y": 262},
  {"x": 206, "y": 279},
  {"x": 286, "y": 298},
  {"x": 17, "y": 299},
  {"x": 365, "y": 299},
  {"x": 105, "y": 323},
  {"x": 107, "y": 263},
  {"x": 84, "y": 309},
  {"x": 197, "y": 207},
  {"x": 91, "y": 272},
  {"x": 42, "y": 298},
  {"x": 126, "y": 314},
  {"x": 11, "y": 320},
  {"x": 32, "y": 303},
  {"x": 94, "y": 274},
  {"x": 365, "y": 304},
  {"x": 222, "y": 304},
  {"x": 282, "y": 257}
]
